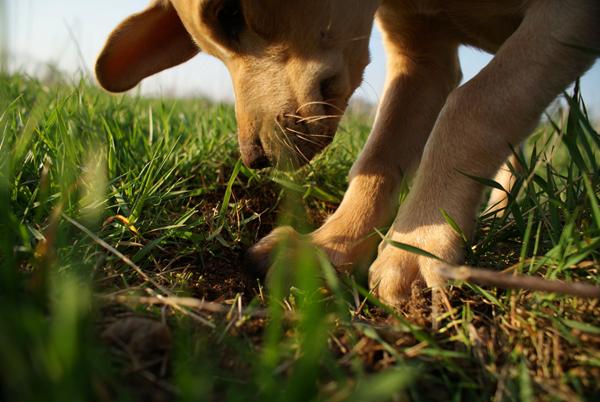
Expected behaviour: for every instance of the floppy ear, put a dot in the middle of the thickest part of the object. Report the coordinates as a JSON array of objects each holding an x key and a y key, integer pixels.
[{"x": 144, "y": 44}]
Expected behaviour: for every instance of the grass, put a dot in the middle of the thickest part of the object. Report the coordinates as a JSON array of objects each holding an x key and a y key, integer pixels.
[{"x": 119, "y": 216}]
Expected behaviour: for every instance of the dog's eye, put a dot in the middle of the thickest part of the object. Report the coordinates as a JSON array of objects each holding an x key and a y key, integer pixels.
[{"x": 230, "y": 18}]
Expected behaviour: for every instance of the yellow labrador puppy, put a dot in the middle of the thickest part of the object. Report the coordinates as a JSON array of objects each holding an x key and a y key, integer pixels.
[{"x": 296, "y": 63}]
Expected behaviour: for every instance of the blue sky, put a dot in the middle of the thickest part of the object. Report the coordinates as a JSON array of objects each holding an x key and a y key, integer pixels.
[{"x": 70, "y": 33}]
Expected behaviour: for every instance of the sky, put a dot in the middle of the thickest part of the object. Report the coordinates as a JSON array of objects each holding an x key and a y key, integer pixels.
[{"x": 70, "y": 34}]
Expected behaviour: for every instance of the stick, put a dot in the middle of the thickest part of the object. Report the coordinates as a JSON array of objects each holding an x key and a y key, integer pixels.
[
  {"x": 116, "y": 252},
  {"x": 138, "y": 270},
  {"x": 515, "y": 281},
  {"x": 189, "y": 302},
  {"x": 192, "y": 303}
]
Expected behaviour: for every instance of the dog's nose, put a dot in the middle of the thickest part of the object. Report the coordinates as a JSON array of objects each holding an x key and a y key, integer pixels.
[{"x": 254, "y": 157}]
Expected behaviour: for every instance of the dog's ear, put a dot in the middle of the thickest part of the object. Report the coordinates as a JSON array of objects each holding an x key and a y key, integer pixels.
[{"x": 142, "y": 45}]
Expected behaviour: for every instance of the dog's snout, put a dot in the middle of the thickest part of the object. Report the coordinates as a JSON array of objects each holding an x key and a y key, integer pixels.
[{"x": 254, "y": 156}]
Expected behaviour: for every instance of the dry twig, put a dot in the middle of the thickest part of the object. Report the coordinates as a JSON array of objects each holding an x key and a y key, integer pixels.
[
  {"x": 515, "y": 281},
  {"x": 167, "y": 300},
  {"x": 189, "y": 302}
]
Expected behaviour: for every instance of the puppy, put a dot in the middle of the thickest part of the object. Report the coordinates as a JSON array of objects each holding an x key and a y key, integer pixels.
[{"x": 295, "y": 64}]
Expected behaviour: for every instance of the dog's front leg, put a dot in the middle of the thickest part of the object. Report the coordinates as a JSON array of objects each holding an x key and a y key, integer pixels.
[
  {"x": 500, "y": 106},
  {"x": 420, "y": 77}
]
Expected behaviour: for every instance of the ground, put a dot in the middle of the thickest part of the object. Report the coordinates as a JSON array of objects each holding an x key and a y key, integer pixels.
[{"x": 123, "y": 227}]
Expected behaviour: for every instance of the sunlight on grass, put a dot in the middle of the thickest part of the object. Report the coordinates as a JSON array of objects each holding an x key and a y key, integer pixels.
[{"x": 123, "y": 224}]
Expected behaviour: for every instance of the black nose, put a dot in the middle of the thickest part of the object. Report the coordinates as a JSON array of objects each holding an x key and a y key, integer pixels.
[{"x": 254, "y": 157}]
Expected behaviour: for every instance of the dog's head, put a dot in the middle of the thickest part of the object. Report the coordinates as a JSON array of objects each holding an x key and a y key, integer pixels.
[{"x": 294, "y": 64}]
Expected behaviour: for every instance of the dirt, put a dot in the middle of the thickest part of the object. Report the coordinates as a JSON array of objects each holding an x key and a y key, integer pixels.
[
  {"x": 224, "y": 280},
  {"x": 220, "y": 274}
]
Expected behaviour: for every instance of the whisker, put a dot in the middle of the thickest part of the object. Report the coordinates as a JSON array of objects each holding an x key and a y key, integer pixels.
[
  {"x": 303, "y": 138},
  {"x": 319, "y": 103},
  {"x": 315, "y": 118},
  {"x": 284, "y": 138},
  {"x": 298, "y": 151},
  {"x": 301, "y": 153},
  {"x": 307, "y": 134},
  {"x": 302, "y": 120}
]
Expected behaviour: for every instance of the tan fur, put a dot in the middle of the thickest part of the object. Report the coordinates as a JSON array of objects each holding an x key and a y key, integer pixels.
[{"x": 296, "y": 63}]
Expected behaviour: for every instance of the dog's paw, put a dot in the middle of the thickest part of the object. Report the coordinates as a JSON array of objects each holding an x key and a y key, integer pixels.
[
  {"x": 393, "y": 273},
  {"x": 342, "y": 252},
  {"x": 259, "y": 257}
]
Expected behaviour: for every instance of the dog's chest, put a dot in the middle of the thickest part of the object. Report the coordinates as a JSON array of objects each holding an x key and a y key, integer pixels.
[
  {"x": 487, "y": 33},
  {"x": 485, "y": 24}
]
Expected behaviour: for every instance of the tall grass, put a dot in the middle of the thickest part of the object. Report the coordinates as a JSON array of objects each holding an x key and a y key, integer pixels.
[{"x": 112, "y": 206}]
